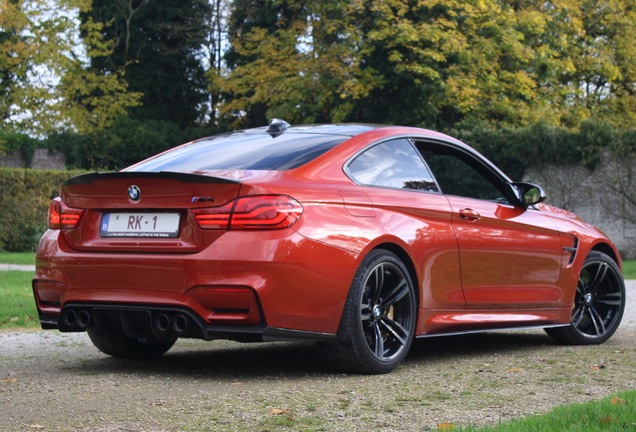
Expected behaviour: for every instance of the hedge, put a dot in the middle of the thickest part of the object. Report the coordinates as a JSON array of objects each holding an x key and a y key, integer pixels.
[
  {"x": 516, "y": 150},
  {"x": 24, "y": 202}
]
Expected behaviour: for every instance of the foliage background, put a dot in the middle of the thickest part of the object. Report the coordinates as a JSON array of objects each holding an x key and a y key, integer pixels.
[
  {"x": 24, "y": 202},
  {"x": 79, "y": 65},
  {"x": 110, "y": 82}
]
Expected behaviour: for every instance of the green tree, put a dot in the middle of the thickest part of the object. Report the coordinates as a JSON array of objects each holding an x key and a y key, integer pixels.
[
  {"x": 292, "y": 60},
  {"x": 444, "y": 62},
  {"x": 158, "y": 45},
  {"x": 48, "y": 86},
  {"x": 9, "y": 42},
  {"x": 256, "y": 31},
  {"x": 508, "y": 63},
  {"x": 604, "y": 58}
]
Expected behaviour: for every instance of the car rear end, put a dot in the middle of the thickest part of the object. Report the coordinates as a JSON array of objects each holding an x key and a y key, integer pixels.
[{"x": 205, "y": 254}]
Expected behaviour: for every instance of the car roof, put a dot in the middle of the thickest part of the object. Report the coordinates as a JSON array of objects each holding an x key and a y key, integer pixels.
[{"x": 346, "y": 129}]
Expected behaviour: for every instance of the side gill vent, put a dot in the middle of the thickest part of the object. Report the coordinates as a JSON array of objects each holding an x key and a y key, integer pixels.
[{"x": 572, "y": 249}]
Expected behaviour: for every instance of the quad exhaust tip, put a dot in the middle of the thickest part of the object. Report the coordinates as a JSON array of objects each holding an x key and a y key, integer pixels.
[{"x": 161, "y": 324}]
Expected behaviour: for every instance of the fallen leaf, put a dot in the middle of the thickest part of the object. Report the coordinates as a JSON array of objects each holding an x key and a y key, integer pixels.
[
  {"x": 9, "y": 380},
  {"x": 608, "y": 419},
  {"x": 446, "y": 426},
  {"x": 14, "y": 319},
  {"x": 618, "y": 401},
  {"x": 515, "y": 370},
  {"x": 36, "y": 426},
  {"x": 278, "y": 411}
]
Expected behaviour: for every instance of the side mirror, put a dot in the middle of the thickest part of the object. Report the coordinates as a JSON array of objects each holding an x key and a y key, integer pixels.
[{"x": 529, "y": 194}]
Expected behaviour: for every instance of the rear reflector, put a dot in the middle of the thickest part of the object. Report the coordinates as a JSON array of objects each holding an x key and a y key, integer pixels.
[
  {"x": 253, "y": 212},
  {"x": 63, "y": 217}
]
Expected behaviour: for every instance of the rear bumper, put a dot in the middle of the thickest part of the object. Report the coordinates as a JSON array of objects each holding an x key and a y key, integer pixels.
[
  {"x": 275, "y": 284},
  {"x": 164, "y": 323}
]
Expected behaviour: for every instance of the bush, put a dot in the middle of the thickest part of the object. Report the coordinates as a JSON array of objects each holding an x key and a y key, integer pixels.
[{"x": 24, "y": 204}]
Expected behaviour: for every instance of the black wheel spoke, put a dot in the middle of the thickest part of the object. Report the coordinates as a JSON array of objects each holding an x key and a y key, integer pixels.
[
  {"x": 365, "y": 312},
  {"x": 578, "y": 315},
  {"x": 398, "y": 293},
  {"x": 379, "y": 342},
  {"x": 599, "y": 276},
  {"x": 597, "y": 320},
  {"x": 393, "y": 327},
  {"x": 610, "y": 299},
  {"x": 378, "y": 274},
  {"x": 580, "y": 288}
]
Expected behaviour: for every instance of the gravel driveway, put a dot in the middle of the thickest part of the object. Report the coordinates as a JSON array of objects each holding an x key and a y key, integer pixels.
[{"x": 59, "y": 382}]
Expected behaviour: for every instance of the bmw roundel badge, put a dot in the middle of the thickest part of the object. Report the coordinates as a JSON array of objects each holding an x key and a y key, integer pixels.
[{"x": 134, "y": 193}]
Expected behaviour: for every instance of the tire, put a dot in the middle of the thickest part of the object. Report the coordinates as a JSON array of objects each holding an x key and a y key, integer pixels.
[
  {"x": 120, "y": 345},
  {"x": 378, "y": 321},
  {"x": 598, "y": 306}
]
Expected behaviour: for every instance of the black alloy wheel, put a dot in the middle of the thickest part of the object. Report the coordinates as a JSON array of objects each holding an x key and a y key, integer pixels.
[
  {"x": 599, "y": 303},
  {"x": 378, "y": 322}
]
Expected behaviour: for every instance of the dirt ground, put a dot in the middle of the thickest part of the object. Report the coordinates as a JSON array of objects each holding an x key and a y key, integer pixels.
[{"x": 51, "y": 381}]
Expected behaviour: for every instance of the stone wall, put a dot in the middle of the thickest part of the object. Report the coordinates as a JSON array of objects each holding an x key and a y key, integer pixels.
[
  {"x": 42, "y": 159},
  {"x": 598, "y": 197}
]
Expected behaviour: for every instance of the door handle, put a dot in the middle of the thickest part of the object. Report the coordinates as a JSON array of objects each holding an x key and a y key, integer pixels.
[{"x": 469, "y": 215}]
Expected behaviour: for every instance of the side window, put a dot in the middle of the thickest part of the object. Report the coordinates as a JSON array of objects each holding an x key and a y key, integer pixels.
[
  {"x": 458, "y": 173},
  {"x": 394, "y": 164}
]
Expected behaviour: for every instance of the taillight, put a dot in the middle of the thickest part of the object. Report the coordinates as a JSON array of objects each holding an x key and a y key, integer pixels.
[
  {"x": 214, "y": 217},
  {"x": 61, "y": 217},
  {"x": 253, "y": 212}
]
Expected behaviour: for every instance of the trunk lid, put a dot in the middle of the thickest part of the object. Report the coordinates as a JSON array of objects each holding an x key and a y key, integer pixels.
[{"x": 143, "y": 211}]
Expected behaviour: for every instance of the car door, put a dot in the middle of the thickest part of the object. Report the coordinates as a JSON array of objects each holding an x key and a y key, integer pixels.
[{"x": 510, "y": 256}]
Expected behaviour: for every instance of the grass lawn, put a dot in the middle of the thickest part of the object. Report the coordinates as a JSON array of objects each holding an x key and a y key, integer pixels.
[
  {"x": 629, "y": 269},
  {"x": 615, "y": 413},
  {"x": 16, "y": 296},
  {"x": 17, "y": 257}
]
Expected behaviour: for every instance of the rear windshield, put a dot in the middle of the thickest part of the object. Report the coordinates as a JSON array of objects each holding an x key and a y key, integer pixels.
[{"x": 244, "y": 151}]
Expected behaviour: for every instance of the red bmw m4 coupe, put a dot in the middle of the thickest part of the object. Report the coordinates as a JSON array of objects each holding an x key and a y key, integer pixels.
[{"x": 360, "y": 237}]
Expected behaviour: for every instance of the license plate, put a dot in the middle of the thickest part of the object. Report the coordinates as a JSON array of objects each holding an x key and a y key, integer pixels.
[{"x": 139, "y": 225}]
